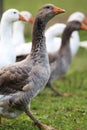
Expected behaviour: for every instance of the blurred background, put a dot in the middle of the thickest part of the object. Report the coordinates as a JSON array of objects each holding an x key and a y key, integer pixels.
[
  {"x": 33, "y": 5},
  {"x": 65, "y": 113}
]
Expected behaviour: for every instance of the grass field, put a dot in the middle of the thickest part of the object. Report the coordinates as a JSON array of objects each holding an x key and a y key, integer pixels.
[{"x": 63, "y": 113}]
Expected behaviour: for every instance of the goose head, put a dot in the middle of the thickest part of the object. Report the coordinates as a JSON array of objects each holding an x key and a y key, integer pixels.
[
  {"x": 74, "y": 26},
  {"x": 28, "y": 16},
  {"x": 78, "y": 16},
  {"x": 49, "y": 11},
  {"x": 12, "y": 15}
]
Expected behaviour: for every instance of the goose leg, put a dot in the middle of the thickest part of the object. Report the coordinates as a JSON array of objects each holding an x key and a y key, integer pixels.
[
  {"x": 54, "y": 90},
  {"x": 37, "y": 122}
]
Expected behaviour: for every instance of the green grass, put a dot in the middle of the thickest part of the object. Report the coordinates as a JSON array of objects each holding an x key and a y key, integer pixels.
[{"x": 63, "y": 113}]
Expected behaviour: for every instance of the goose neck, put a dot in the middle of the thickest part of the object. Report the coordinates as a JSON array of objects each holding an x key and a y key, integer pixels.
[
  {"x": 66, "y": 36},
  {"x": 38, "y": 42},
  {"x": 18, "y": 33},
  {"x": 6, "y": 31},
  {"x": 18, "y": 26}
]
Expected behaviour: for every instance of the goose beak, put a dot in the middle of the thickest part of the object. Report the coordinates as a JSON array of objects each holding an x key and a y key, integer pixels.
[
  {"x": 58, "y": 10},
  {"x": 31, "y": 20},
  {"x": 22, "y": 18},
  {"x": 83, "y": 26},
  {"x": 85, "y": 20}
]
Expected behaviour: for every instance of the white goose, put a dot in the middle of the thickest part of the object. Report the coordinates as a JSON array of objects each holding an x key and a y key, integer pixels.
[
  {"x": 7, "y": 52},
  {"x": 18, "y": 34}
]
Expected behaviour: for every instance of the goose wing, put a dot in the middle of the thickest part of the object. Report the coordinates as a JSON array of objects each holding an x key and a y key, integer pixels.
[
  {"x": 52, "y": 57},
  {"x": 13, "y": 78},
  {"x": 20, "y": 57}
]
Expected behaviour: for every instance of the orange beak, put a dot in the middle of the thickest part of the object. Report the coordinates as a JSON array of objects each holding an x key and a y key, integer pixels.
[
  {"x": 31, "y": 20},
  {"x": 58, "y": 10},
  {"x": 22, "y": 18},
  {"x": 85, "y": 20},
  {"x": 83, "y": 26}
]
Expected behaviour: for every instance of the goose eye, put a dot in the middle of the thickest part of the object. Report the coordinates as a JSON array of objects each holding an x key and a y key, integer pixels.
[
  {"x": 48, "y": 7},
  {"x": 14, "y": 12}
]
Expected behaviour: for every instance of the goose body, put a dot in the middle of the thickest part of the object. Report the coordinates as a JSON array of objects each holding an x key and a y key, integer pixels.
[
  {"x": 60, "y": 60},
  {"x": 83, "y": 44},
  {"x": 23, "y": 49},
  {"x": 22, "y": 81},
  {"x": 52, "y": 41},
  {"x": 7, "y": 50}
]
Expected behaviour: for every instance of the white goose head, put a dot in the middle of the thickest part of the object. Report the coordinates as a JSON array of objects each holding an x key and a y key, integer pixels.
[
  {"x": 77, "y": 16},
  {"x": 28, "y": 16},
  {"x": 12, "y": 15},
  {"x": 18, "y": 28}
]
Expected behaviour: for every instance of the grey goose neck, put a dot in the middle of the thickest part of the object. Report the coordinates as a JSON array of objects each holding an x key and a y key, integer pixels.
[
  {"x": 38, "y": 50},
  {"x": 71, "y": 26}
]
